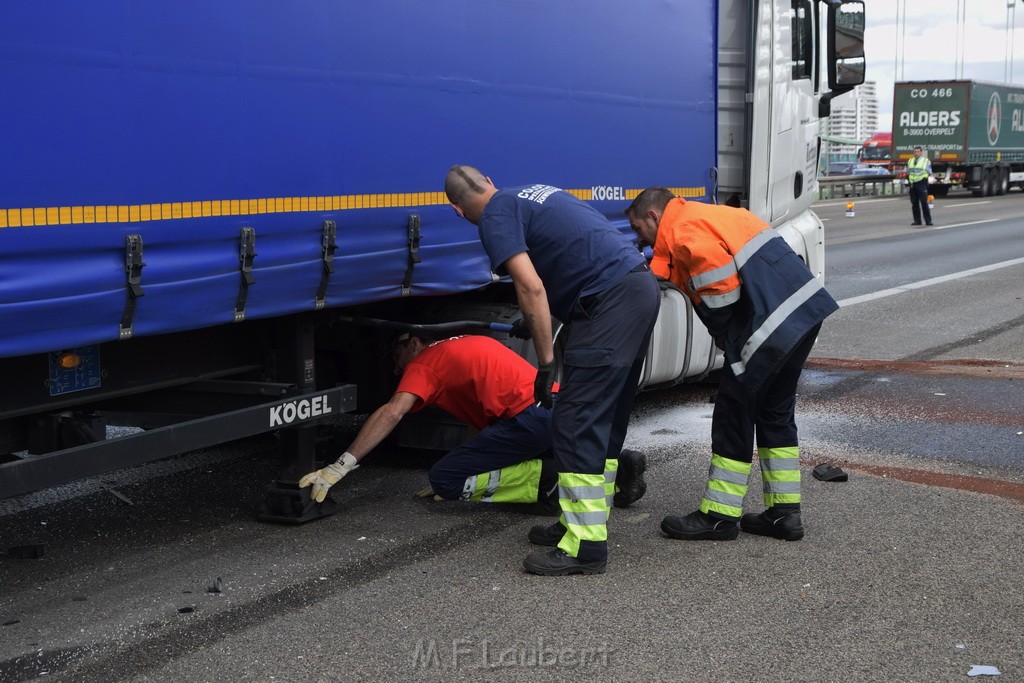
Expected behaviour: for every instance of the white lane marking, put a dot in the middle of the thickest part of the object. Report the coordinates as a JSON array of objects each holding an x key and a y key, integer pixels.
[
  {"x": 852, "y": 301},
  {"x": 825, "y": 219},
  {"x": 866, "y": 200},
  {"x": 957, "y": 206},
  {"x": 960, "y": 225},
  {"x": 907, "y": 231}
]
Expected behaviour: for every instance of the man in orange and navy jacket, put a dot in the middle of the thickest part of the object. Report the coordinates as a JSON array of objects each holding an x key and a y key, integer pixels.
[{"x": 764, "y": 308}]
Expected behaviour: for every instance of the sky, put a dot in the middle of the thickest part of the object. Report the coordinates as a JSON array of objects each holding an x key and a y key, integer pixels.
[{"x": 929, "y": 50}]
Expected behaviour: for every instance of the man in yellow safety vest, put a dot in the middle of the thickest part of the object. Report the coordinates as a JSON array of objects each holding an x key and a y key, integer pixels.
[{"x": 918, "y": 170}]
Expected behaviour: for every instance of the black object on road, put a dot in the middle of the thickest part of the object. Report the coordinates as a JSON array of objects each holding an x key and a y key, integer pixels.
[
  {"x": 826, "y": 472},
  {"x": 30, "y": 551}
]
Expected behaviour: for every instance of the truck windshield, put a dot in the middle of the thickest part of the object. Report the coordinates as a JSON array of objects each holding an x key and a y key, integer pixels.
[{"x": 877, "y": 153}]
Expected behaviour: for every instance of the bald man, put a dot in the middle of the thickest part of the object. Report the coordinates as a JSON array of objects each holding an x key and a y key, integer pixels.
[{"x": 565, "y": 259}]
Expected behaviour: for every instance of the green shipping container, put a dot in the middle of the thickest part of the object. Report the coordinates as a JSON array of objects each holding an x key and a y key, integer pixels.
[{"x": 958, "y": 121}]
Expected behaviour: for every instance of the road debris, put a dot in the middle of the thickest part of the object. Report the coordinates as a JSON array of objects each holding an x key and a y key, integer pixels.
[
  {"x": 29, "y": 551},
  {"x": 827, "y": 472},
  {"x": 983, "y": 670},
  {"x": 117, "y": 494},
  {"x": 187, "y": 609},
  {"x": 215, "y": 586}
]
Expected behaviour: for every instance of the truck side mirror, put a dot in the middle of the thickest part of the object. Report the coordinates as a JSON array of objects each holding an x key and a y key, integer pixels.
[
  {"x": 846, "y": 45},
  {"x": 845, "y": 50}
]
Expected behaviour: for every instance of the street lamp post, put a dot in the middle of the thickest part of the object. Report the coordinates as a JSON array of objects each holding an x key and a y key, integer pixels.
[{"x": 1011, "y": 9}]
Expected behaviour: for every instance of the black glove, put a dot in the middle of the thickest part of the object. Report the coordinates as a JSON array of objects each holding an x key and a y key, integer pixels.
[
  {"x": 520, "y": 330},
  {"x": 542, "y": 385}
]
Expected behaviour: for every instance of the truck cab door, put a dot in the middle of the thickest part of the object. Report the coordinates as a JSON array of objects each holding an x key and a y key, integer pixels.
[
  {"x": 784, "y": 148},
  {"x": 793, "y": 154}
]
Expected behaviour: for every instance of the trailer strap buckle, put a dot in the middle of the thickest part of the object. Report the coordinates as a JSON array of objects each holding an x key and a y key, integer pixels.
[
  {"x": 133, "y": 265},
  {"x": 246, "y": 257},
  {"x": 329, "y": 246},
  {"x": 414, "y": 252}
]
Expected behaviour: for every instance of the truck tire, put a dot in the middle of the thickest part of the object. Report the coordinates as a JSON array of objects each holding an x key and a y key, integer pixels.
[
  {"x": 1002, "y": 181},
  {"x": 990, "y": 182},
  {"x": 979, "y": 189}
]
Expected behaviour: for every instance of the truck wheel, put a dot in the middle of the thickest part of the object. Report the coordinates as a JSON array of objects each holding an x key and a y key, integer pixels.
[
  {"x": 990, "y": 182},
  {"x": 1003, "y": 181}
]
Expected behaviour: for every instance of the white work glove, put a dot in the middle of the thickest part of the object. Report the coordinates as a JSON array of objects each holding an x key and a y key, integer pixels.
[{"x": 322, "y": 480}]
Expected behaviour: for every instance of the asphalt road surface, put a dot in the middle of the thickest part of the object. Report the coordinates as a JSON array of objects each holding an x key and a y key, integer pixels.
[{"x": 910, "y": 571}]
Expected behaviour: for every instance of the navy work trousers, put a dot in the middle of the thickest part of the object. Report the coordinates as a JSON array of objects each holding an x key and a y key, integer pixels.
[
  {"x": 919, "y": 201},
  {"x": 507, "y": 441},
  {"x": 604, "y": 354},
  {"x": 770, "y": 411}
]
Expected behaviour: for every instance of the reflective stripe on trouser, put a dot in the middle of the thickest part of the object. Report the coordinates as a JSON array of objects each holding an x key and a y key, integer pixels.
[
  {"x": 780, "y": 471},
  {"x": 611, "y": 470},
  {"x": 513, "y": 484},
  {"x": 727, "y": 485},
  {"x": 584, "y": 509}
]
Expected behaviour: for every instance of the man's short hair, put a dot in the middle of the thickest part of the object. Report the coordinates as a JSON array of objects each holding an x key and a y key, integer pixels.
[
  {"x": 653, "y": 198},
  {"x": 463, "y": 180},
  {"x": 918, "y": 149},
  {"x": 425, "y": 337}
]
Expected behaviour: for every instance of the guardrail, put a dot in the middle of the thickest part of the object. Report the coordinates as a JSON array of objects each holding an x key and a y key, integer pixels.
[{"x": 831, "y": 187}]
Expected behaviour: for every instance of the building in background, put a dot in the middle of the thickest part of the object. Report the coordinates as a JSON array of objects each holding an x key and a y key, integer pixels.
[{"x": 854, "y": 119}]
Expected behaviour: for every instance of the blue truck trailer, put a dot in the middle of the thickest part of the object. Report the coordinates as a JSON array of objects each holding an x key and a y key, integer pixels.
[{"x": 200, "y": 202}]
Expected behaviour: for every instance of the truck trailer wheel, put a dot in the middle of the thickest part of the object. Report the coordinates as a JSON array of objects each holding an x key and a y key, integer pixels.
[
  {"x": 983, "y": 184},
  {"x": 979, "y": 189},
  {"x": 990, "y": 182},
  {"x": 1002, "y": 181}
]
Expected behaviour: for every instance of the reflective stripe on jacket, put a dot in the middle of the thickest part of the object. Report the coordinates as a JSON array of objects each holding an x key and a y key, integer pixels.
[
  {"x": 918, "y": 168},
  {"x": 745, "y": 281}
]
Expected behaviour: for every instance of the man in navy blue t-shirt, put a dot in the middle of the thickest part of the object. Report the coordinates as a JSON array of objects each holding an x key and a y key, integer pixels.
[{"x": 565, "y": 259}]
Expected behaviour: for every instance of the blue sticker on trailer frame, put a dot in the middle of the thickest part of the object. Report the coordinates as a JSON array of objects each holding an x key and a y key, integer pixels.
[{"x": 85, "y": 374}]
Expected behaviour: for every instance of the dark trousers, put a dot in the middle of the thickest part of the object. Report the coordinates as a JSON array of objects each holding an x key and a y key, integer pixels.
[
  {"x": 506, "y": 442},
  {"x": 919, "y": 201},
  {"x": 770, "y": 411},
  {"x": 604, "y": 354}
]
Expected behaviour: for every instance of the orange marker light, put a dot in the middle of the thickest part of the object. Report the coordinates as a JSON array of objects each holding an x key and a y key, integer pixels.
[{"x": 69, "y": 360}]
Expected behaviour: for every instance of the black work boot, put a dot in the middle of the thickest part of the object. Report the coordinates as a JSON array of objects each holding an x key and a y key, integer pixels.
[
  {"x": 559, "y": 563},
  {"x": 547, "y": 535},
  {"x": 698, "y": 526},
  {"x": 778, "y": 522},
  {"x": 629, "y": 480}
]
